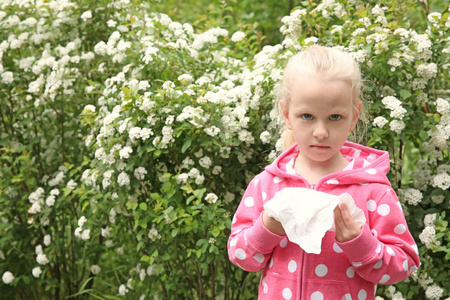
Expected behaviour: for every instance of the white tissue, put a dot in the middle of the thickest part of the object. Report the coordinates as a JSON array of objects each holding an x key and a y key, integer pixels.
[{"x": 306, "y": 215}]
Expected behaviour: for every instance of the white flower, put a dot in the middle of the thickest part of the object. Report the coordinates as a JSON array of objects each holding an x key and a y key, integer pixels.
[
  {"x": 71, "y": 184},
  {"x": 380, "y": 121},
  {"x": 212, "y": 131},
  {"x": 211, "y": 198},
  {"x": 429, "y": 219},
  {"x": 185, "y": 79},
  {"x": 182, "y": 178},
  {"x": 153, "y": 234},
  {"x": 427, "y": 71},
  {"x": 85, "y": 235},
  {"x": 50, "y": 201},
  {"x": 7, "y": 77},
  {"x": 434, "y": 17},
  {"x": 95, "y": 269},
  {"x": 125, "y": 152},
  {"x": 86, "y": 15},
  {"x": 398, "y": 112},
  {"x": 265, "y": 137},
  {"x": 205, "y": 162},
  {"x": 106, "y": 231},
  {"x": 238, "y": 36},
  {"x": 81, "y": 221},
  {"x": 47, "y": 239},
  {"x": 434, "y": 292},
  {"x": 123, "y": 179},
  {"x": 7, "y": 277},
  {"x": 139, "y": 173},
  {"x": 412, "y": 196},
  {"x": 90, "y": 108},
  {"x": 123, "y": 289},
  {"x": 134, "y": 133},
  {"x": 441, "y": 181},
  {"x": 36, "y": 272},
  {"x": 311, "y": 40},
  {"x": 397, "y": 126},
  {"x": 145, "y": 133},
  {"x": 390, "y": 102},
  {"x": 442, "y": 106},
  {"x": 42, "y": 259}
]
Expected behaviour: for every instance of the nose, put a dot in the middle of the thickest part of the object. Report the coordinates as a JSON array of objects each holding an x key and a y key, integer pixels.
[{"x": 320, "y": 131}]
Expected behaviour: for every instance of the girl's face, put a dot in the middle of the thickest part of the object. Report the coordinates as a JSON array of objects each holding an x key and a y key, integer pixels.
[{"x": 320, "y": 116}]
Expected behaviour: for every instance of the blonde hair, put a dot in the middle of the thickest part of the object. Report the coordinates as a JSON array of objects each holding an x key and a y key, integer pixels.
[{"x": 328, "y": 63}]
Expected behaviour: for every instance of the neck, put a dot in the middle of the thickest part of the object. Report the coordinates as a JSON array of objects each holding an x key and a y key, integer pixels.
[{"x": 313, "y": 171}]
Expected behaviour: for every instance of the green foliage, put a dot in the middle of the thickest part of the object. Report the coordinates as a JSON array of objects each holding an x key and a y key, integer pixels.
[{"x": 127, "y": 138}]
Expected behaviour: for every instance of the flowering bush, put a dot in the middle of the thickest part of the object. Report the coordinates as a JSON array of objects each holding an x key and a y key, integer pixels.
[{"x": 127, "y": 140}]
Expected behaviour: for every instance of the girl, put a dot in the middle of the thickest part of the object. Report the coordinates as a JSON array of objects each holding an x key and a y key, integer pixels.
[{"x": 320, "y": 104}]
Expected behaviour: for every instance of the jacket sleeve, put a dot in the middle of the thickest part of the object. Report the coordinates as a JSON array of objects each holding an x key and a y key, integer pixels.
[
  {"x": 250, "y": 244},
  {"x": 385, "y": 251}
]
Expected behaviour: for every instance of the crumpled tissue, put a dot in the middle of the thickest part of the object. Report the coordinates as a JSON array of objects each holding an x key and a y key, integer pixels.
[{"x": 306, "y": 215}]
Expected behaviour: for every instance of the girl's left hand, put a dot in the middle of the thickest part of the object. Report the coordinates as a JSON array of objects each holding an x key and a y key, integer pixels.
[{"x": 346, "y": 227}]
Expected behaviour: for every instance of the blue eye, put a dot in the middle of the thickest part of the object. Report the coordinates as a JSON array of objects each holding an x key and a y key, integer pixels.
[
  {"x": 335, "y": 117},
  {"x": 307, "y": 117}
]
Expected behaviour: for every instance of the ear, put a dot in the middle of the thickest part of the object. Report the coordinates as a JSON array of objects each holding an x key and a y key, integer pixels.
[
  {"x": 285, "y": 113},
  {"x": 357, "y": 110}
]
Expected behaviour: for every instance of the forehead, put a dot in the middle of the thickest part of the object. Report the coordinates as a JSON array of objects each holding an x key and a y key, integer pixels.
[{"x": 315, "y": 91}]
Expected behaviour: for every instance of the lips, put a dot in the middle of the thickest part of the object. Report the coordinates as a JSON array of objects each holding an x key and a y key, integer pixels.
[{"x": 320, "y": 147}]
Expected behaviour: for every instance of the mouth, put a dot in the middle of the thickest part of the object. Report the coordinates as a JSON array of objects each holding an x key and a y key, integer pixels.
[{"x": 320, "y": 147}]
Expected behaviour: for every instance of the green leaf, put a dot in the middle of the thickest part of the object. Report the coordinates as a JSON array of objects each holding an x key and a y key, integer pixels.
[
  {"x": 143, "y": 206},
  {"x": 186, "y": 145}
]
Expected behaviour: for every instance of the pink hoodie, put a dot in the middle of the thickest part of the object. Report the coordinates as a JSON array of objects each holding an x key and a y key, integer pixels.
[{"x": 383, "y": 253}]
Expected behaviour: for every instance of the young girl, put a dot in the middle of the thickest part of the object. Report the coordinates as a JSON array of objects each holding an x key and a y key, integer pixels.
[{"x": 320, "y": 104}]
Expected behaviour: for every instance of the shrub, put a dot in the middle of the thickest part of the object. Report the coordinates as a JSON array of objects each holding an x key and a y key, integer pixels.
[{"x": 127, "y": 140}]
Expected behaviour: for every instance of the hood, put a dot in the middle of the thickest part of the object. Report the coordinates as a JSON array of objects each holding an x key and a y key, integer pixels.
[{"x": 366, "y": 165}]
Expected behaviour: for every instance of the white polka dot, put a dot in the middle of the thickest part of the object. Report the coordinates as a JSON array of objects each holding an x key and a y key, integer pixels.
[
  {"x": 337, "y": 249},
  {"x": 292, "y": 266},
  {"x": 362, "y": 295},
  {"x": 385, "y": 278},
  {"x": 416, "y": 249},
  {"x": 256, "y": 182},
  {"x": 400, "y": 206},
  {"x": 363, "y": 183},
  {"x": 357, "y": 264},
  {"x": 259, "y": 258},
  {"x": 378, "y": 250},
  {"x": 264, "y": 196},
  {"x": 374, "y": 233},
  {"x": 413, "y": 269},
  {"x": 287, "y": 294},
  {"x": 234, "y": 220},
  {"x": 240, "y": 253},
  {"x": 317, "y": 296},
  {"x": 371, "y": 171},
  {"x": 321, "y": 270},
  {"x": 249, "y": 201},
  {"x": 347, "y": 297},
  {"x": 400, "y": 229},
  {"x": 379, "y": 264},
  {"x": 371, "y": 205},
  {"x": 233, "y": 242},
  {"x": 383, "y": 209},
  {"x": 405, "y": 265},
  {"x": 283, "y": 243},
  {"x": 333, "y": 181},
  {"x": 278, "y": 179},
  {"x": 390, "y": 251},
  {"x": 266, "y": 287},
  {"x": 350, "y": 272}
]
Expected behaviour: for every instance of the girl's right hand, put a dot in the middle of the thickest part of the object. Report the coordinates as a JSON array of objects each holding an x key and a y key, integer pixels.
[{"x": 272, "y": 224}]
